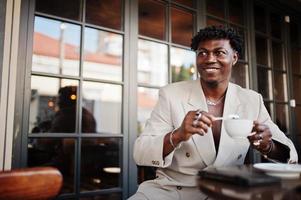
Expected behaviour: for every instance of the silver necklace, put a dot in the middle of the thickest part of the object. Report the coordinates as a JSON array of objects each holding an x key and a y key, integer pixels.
[{"x": 211, "y": 103}]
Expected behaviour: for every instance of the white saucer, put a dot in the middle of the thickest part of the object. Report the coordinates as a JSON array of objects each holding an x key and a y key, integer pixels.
[{"x": 289, "y": 171}]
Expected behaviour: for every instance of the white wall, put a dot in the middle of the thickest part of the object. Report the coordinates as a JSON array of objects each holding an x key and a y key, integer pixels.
[{"x": 8, "y": 81}]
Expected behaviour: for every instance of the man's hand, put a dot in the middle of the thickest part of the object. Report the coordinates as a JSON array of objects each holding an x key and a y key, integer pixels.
[
  {"x": 195, "y": 122},
  {"x": 261, "y": 137}
]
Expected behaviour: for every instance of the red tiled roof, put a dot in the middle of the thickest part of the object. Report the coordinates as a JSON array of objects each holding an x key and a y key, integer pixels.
[{"x": 48, "y": 46}]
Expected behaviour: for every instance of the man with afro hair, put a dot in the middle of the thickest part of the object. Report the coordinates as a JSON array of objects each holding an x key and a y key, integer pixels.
[{"x": 183, "y": 136}]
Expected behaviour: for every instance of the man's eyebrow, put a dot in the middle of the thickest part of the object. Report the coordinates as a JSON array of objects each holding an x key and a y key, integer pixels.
[{"x": 215, "y": 49}]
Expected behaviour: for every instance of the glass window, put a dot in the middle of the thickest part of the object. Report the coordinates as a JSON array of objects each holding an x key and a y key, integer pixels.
[
  {"x": 294, "y": 33},
  {"x": 103, "y": 53},
  {"x": 264, "y": 82},
  {"x": 213, "y": 22},
  {"x": 67, "y": 8},
  {"x": 260, "y": 18},
  {"x": 297, "y": 89},
  {"x": 147, "y": 99},
  {"x": 242, "y": 35},
  {"x": 296, "y": 60},
  {"x": 261, "y": 51},
  {"x": 277, "y": 56},
  {"x": 189, "y": 3},
  {"x": 102, "y": 103},
  {"x": 52, "y": 105},
  {"x": 236, "y": 11},
  {"x": 298, "y": 119},
  {"x": 269, "y": 107},
  {"x": 107, "y": 13},
  {"x": 216, "y": 7},
  {"x": 276, "y": 25},
  {"x": 282, "y": 117},
  {"x": 152, "y": 63},
  {"x": 183, "y": 66},
  {"x": 100, "y": 163},
  {"x": 56, "y": 47},
  {"x": 152, "y": 19},
  {"x": 240, "y": 75},
  {"x": 280, "y": 86},
  {"x": 57, "y": 153},
  {"x": 181, "y": 27}
]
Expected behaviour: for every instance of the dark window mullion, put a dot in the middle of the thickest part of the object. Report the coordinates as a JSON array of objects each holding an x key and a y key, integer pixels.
[{"x": 79, "y": 105}]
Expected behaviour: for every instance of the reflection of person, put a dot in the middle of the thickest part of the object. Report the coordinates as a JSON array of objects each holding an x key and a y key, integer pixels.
[
  {"x": 181, "y": 137},
  {"x": 64, "y": 119},
  {"x": 59, "y": 152}
]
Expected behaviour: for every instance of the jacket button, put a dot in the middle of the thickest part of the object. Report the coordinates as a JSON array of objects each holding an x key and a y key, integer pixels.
[
  {"x": 187, "y": 154},
  {"x": 179, "y": 187}
]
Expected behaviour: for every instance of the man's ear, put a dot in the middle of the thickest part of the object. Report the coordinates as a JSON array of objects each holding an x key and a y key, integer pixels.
[{"x": 235, "y": 58}]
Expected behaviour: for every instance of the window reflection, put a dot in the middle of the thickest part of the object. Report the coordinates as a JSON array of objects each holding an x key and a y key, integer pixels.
[
  {"x": 105, "y": 13},
  {"x": 236, "y": 11},
  {"x": 52, "y": 108},
  {"x": 216, "y": 8},
  {"x": 67, "y": 8},
  {"x": 104, "y": 102},
  {"x": 181, "y": 27},
  {"x": 264, "y": 82},
  {"x": 102, "y": 55},
  {"x": 269, "y": 107},
  {"x": 183, "y": 66},
  {"x": 294, "y": 32},
  {"x": 189, "y": 3},
  {"x": 261, "y": 51},
  {"x": 100, "y": 163},
  {"x": 152, "y": 19},
  {"x": 147, "y": 99},
  {"x": 282, "y": 117},
  {"x": 297, "y": 89},
  {"x": 242, "y": 35},
  {"x": 214, "y": 22},
  {"x": 280, "y": 91},
  {"x": 277, "y": 55},
  {"x": 56, "y": 47},
  {"x": 296, "y": 60},
  {"x": 65, "y": 118},
  {"x": 152, "y": 63},
  {"x": 298, "y": 119},
  {"x": 240, "y": 75},
  {"x": 260, "y": 18},
  {"x": 276, "y": 25},
  {"x": 57, "y": 153}
]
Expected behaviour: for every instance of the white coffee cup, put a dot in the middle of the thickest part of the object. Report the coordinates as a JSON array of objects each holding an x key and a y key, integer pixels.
[{"x": 238, "y": 128}]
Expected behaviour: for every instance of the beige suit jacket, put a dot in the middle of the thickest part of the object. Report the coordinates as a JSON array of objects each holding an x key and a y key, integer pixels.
[{"x": 175, "y": 100}]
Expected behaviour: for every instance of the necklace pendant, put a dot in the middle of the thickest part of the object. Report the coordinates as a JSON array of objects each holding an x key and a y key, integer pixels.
[{"x": 210, "y": 103}]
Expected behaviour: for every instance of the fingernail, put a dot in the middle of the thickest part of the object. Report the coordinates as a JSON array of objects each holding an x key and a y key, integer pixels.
[{"x": 253, "y": 133}]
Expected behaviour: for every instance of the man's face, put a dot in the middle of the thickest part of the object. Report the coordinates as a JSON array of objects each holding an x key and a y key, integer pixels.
[{"x": 215, "y": 59}]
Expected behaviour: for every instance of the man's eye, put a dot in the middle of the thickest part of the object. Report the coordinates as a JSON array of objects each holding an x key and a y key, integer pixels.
[
  {"x": 202, "y": 53},
  {"x": 220, "y": 53}
]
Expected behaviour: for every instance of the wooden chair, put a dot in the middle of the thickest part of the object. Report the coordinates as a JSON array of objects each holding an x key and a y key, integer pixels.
[{"x": 30, "y": 183}]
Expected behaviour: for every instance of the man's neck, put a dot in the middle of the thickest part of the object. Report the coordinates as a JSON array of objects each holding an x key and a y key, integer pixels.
[{"x": 214, "y": 91}]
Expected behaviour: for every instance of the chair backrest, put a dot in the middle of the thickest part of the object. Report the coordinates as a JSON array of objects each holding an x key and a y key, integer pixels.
[{"x": 30, "y": 183}]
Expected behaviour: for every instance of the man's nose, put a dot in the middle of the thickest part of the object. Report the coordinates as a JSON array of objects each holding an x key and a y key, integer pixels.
[{"x": 211, "y": 57}]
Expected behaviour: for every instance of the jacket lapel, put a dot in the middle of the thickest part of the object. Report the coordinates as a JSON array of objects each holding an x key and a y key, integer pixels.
[{"x": 204, "y": 144}]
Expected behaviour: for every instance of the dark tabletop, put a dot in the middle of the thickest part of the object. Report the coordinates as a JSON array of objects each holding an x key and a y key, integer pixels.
[{"x": 286, "y": 189}]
